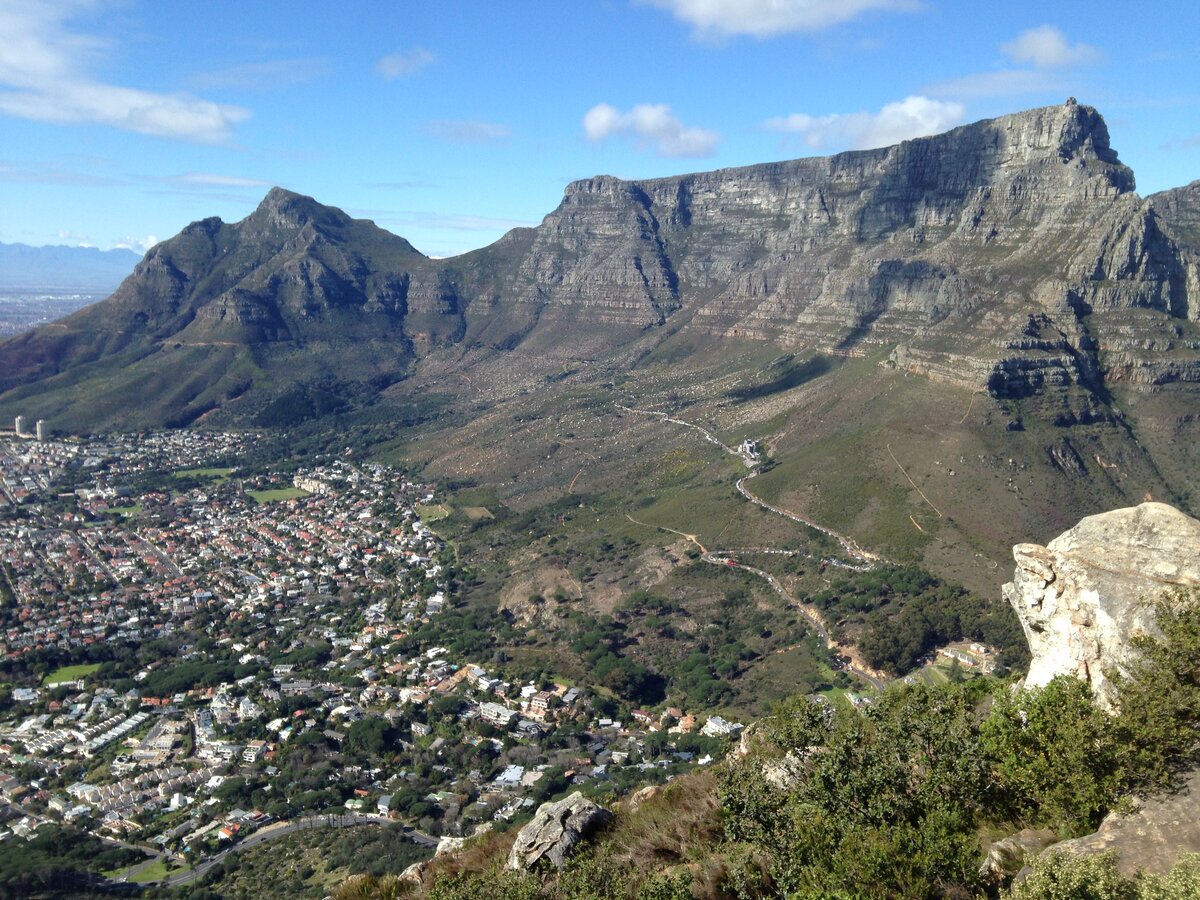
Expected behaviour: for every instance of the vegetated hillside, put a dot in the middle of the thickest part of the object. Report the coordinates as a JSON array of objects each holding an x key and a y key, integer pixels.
[
  {"x": 946, "y": 345},
  {"x": 295, "y": 299},
  {"x": 900, "y": 799}
]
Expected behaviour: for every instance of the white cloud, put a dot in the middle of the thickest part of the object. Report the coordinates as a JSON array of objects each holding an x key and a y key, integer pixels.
[
  {"x": 140, "y": 245},
  {"x": 43, "y": 76},
  {"x": 404, "y": 62},
  {"x": 205, "y": 179},
  {"x": 456, "y": 131},
  {"x": 649, "y": 125},
  {"x": 908, "y": 118},
  {"x": 1000, "y": 83},
  {"x": 75, "y": 238},
  {"x": 765, "y": 18},
  {"x": 1045, "y": 47}
]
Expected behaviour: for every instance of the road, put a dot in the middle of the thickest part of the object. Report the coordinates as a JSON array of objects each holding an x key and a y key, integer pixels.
[
  {"x": 864, "y": 560},
  {"x": 877, "y": 681},
  {"x": 340, "y": 819},
  {"x": 159, "y": 554}
]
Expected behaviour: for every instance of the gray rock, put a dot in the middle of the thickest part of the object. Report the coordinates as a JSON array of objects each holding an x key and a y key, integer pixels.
[
  {"x": 1153, "y": 837},
  {"x": 1005, "y": 858},
  {"x": 448, "y": 844},
  {"x": 415, "y": 873},
  {"x": 555, "y": 829},
  {"x": 1082, "y": 597}
]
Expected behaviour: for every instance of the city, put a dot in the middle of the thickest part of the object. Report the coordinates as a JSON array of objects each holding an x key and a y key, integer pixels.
[{"x": 196, "y": 654}]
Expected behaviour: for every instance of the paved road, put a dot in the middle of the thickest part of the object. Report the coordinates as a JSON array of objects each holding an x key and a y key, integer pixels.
[{"x": 286, "y": 827}]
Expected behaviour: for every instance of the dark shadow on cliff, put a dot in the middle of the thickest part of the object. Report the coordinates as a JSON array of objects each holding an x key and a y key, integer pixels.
[{"x": 790, "y": 374}]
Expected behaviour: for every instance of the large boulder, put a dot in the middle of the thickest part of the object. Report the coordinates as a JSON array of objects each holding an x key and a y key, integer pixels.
[
  {"x": 1153, "y": 836},
  {"x": 1082, "y": 597},
  {"x": 555, "y": 829}
]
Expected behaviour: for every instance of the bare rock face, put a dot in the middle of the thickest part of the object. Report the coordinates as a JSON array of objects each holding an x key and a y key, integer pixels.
[
  {"x": 555, "y": 829},
  {"x": 1153, "y": 837},
  {"x": 449, "y": 844},
  {"x": 1081, "y": 598},
  {"x": 1005, "y": 858}
]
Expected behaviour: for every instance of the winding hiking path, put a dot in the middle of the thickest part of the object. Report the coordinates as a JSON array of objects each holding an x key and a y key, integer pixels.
[{"x": 864, "y": 560}]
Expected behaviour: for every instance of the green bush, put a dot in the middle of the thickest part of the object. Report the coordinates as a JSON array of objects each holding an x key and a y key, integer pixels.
[{"x": 1061, "y": 876}]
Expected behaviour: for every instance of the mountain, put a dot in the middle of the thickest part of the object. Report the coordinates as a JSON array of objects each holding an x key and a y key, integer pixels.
[
  {"x": 990, "y": 323},
  {"x": 294, "y": 291},
  {"x": 63, "y": 268}
]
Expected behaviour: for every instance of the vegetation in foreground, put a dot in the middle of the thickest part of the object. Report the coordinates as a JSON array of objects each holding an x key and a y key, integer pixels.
[
  {"x": 58, "y": 860},
  {"x": 309, "y": 864},
  {"x": 893, "y": 800}
]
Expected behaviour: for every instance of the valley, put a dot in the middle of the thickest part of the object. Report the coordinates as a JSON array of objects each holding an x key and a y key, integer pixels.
[{"x": 313, "y": 525}]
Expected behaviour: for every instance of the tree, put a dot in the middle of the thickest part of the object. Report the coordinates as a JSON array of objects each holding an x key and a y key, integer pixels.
[
  {"x": 880, "y": 801},
  {"x": 1054, "y": 754},
  {"x": 1158, "y": 697},
  {"x": 368, "y": 738}
]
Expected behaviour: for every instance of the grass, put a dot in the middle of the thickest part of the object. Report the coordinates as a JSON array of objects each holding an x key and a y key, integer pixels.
[
  {"x": 432, "y": 512},
  {"x": 274, "y": 495},
  {"x": 71, "y": 673},
  {"x": 156, "y": 871},
  {"x": 216, "y": 474}
]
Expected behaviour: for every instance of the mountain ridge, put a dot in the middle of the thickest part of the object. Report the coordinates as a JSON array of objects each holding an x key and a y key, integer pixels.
[
  {"x": 1007, "y": 265},
  {"x": 60, "y": 267}
]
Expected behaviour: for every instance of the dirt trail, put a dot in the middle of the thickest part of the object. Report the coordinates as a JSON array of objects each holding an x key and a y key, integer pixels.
[{"x": 864, "y": 560}]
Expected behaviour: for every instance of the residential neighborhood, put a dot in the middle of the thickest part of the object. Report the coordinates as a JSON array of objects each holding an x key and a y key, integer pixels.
[{"x": 195, "y": 653}]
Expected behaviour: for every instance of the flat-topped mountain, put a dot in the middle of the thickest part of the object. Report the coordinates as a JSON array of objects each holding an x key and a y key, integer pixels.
[
  {"x": 1009, "y": 266},
  {"x": 1012, "y": 253}
]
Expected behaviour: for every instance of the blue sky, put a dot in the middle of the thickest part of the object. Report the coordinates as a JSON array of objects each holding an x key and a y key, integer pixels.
[{"x": 448, "y": 123}]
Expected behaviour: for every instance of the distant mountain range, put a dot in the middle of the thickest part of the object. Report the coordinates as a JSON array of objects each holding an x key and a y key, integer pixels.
[
  {"x": 838, "y": 307},
  {"x": 63, "y": 268}
]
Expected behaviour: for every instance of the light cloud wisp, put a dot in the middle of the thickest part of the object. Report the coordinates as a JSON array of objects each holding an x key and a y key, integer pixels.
[
  {"x": 207, "y": 179},
  {"x": 1045, "y": 47},
  {"x": 767, "y": 18},
  {"x": 403, "y": 63},
  {"x": 650, "y": 125},
  {"x": 457, "y": 131},
  {"x": 42, "y": 77},
  {"x": 908, "y": 118}
]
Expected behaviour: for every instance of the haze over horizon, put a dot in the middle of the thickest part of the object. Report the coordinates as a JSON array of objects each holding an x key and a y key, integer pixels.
[{"x": 125, "y": 120}]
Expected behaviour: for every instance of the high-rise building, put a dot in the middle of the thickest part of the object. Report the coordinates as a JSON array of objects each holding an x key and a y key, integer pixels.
[
  {"x": 40, "y": 427},
  {"x": 20, "y": 425}
]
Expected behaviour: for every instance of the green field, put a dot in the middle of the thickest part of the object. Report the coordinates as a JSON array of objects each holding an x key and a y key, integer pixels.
[
  {"x": 71, "y": 673},
  {"x": 274, "y": 495},
  {"x": 215, "y": 474},
  {"x": 158, "y": 870},
  {"x": 431, "y": 512}
]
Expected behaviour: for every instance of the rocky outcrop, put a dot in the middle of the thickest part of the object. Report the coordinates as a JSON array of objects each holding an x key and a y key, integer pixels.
[
  {"x": 1083, "y": 596},
  {"x": 1010, "y": 255},
  {"x": 1005, "y": 858},
  {"x": 555, "y": 829},
  {"x": 1153, "y": 837},
  {"x": 449, "y": 844}
]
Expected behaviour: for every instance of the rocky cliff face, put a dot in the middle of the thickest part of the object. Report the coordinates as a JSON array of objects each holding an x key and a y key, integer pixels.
[
  {"x": 1083, "y": 596},
  {"x": 1010, "y": 255}
]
